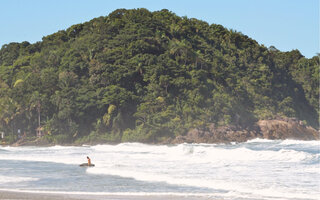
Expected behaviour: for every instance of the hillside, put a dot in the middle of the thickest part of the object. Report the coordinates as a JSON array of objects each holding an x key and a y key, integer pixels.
[{"x": 136, "y": 75}]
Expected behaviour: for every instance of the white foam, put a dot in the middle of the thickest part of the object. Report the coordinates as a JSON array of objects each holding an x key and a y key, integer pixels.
[
  {"x": 196, "y": 165},
  {"x": 234, "y": 168},
  {"x": 112, "y": 193},
  {"x": 15, "y": 179},
  {"x": 237, "y": 188},
  {"x": 56, "y": 154},
  {"x": 260, "y": 140},
  {"x": 293, "y": 142}
]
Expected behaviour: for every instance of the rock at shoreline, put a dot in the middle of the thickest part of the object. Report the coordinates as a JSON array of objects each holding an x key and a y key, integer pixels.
[
  {"x": 281, "y": 129},
  {"x": 287, "y": 129},
  {"x": 275, "y": 129}
]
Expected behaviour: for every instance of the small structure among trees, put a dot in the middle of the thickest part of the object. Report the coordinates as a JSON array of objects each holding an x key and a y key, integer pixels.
[{"x": 40, "y": 131}]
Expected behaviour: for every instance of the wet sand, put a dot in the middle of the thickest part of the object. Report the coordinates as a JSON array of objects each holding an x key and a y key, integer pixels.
[{"x": 8, "y": 195}]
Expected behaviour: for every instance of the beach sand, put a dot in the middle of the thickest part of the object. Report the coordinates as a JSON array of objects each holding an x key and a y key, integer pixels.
[{"x": 8, "y": 195}]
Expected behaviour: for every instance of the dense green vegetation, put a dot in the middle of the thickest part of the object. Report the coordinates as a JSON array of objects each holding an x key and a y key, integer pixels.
[{"x": 145, "y": 76}]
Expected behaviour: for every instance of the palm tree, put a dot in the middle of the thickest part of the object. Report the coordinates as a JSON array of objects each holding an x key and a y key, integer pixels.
[{"x": 179, "y": 48}]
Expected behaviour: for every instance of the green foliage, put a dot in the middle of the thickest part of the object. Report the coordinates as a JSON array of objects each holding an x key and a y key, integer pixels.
[
  {"x": 145, "y": 76},
  {"x": 97, "y": 138},
  {"x": 139, "y": 134},
  {"x": 10, "y": 139},
  {"x": 61, "y": 139}
]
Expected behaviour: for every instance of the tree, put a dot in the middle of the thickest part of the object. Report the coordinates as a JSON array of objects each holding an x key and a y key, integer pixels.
[{"x": 146, "y": 76}]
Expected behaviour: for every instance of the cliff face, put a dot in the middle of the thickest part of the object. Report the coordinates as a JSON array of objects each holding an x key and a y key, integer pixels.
[{"x": 277, "y": 129}]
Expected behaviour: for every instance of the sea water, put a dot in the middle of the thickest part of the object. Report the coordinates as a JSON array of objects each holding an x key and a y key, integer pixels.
[{"x": 257, "y": 169}]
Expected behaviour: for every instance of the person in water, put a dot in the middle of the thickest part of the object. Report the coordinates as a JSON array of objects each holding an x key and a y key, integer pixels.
[{"x": 89, "y": 161}]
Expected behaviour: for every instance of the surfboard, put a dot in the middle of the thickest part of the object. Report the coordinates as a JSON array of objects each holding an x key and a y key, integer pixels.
[{"x": 86, "y": 165}]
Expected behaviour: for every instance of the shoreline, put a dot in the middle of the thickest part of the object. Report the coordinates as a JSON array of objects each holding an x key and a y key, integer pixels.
[
  {"x": 275, "y": 129},
  {"x": 30, "y": 195},
  {"x": 32, "y": 144}
]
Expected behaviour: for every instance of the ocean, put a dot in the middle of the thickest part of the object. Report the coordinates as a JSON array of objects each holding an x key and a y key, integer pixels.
[{"x": 256, "y": 170}]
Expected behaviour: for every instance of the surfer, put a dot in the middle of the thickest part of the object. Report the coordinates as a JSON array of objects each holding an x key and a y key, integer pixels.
[
  {"x": 88, "y": 164},
  {"x": 89, "y": 161}
]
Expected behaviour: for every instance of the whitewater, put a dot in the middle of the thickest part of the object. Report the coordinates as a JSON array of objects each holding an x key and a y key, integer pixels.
[{"x": 257, "y": 169}]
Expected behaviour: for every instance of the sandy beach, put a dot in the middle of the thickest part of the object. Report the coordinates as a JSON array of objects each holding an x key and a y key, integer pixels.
[{"x": 9, "y": 195}]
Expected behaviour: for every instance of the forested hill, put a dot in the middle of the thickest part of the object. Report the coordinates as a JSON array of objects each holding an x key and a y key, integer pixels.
[{"x": 136, "y": 75}]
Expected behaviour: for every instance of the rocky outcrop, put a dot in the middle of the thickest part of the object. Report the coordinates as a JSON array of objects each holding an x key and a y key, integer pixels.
[
  {"x": 224, "y": 134},
  {"x": 283, "y": 128},
  {"x": 288, "y": 128}
]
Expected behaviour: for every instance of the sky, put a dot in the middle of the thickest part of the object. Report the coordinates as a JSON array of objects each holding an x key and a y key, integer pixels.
[{"x": 285, "y": 24}]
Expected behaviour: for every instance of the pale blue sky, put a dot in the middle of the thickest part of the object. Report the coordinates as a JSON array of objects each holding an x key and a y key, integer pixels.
[{"x": 285, "y": 24}]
